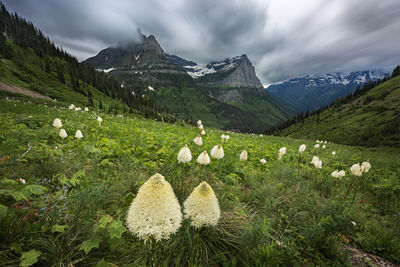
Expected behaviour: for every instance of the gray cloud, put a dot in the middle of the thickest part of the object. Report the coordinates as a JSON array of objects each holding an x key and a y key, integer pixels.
[{"x": 282, "y": 38}]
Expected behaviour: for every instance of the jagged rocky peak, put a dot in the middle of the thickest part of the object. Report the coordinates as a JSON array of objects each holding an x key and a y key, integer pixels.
[
  {"x": 146, "y": 52},
  {"x": 233, "y": 72}
]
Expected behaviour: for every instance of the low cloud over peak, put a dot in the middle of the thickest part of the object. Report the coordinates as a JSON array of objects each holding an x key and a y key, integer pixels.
[{"x": 282, "y": 38}]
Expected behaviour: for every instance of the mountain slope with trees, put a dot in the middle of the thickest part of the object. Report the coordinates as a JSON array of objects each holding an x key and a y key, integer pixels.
[{"x": 370, "y": 116}]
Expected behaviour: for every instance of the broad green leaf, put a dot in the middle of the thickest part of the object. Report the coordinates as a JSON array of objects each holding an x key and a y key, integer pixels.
[
  {"x": 106, "y": 219},
  {"x": 7, "y": 182},
  {"x": 88, "y": 245},
  {"x": 58, "y": 228},
  {"x": 29, "y": 258},
  {"x": 116, "y": 229},
  {"x": 102, "y": 263},
  {"x": 36, "y": 189},
  {"x": 128, "y": 198},
  {"x": 3, "y": 211}
]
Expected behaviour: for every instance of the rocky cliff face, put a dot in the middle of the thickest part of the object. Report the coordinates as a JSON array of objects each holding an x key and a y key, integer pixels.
[
  {"x": 144, "y": 61},
  {"x": 233, "y": 72}
]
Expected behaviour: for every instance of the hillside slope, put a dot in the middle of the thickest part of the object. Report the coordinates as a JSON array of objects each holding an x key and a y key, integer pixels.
[{"x": 372, "y": 119}]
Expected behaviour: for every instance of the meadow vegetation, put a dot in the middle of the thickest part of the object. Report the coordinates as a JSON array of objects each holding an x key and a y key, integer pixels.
[{"x": 64, "y": 201}]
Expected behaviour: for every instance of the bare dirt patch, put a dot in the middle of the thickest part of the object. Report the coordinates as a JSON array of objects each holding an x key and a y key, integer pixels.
[
  {"x": 19, "y": 90},
  {"x": 363, "y": 259}
]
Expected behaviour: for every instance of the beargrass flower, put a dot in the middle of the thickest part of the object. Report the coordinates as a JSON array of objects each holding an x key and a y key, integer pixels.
[
  {"x": 57, "y": 123},
  {"x": 78, "y": 109},
  {"x": 71, "y": 107},
  {"x": 155, "y": 211},
  {"x": 62, "y": 134},
  {"x": 333, "y": 153},
  {"x": 227, "y": 138},
  {"x": 356, "y": 170},
  {"x": 202, "y": 207},
  {"x": 302, "y": 148},
  {"x": 78, "y": 134},
  {"x": 203, "y": 158},
  {"x": 282, "y": 152},
  {"x": 184, "y": 155},
  {"x": 324, "y": 146},
  {"x": 317, "y": 162},
  {"x": 99, "y": 119},
  {"x": 365, "y": 166},
  {"x": 222, "y": 137},
  {"x": 201, "y": 127},
  {"x": 198, "y": 140},
  {"x": 86, "y": 109},
  {"x": 263, "y": 161},
  {"x": 199, "y": 123},
  {"x": 217, "y": 152},
  {"x": 316, "y": 146},
  {"x": 203, "y": 132},
  {"x": 243, "y": 155},
  {"x": 338, "y": 174}
]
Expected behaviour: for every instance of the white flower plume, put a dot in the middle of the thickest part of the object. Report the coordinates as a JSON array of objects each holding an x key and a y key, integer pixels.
[
  {"x": 202, "y": 207},
  {"x": 155, "y": 211}
]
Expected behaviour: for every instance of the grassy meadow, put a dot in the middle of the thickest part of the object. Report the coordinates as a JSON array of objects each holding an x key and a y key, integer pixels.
[{"x": 64, "y": 202}]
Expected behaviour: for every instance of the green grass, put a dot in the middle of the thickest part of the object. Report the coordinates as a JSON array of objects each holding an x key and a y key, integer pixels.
[
  {"x": 26, "y": 70},
  {"x": 372, "y": 119},
  {"x": 286, "y": 213}
]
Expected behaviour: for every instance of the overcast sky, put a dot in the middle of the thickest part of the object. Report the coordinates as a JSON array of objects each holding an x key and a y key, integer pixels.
[{"x": 283, "y": 38}]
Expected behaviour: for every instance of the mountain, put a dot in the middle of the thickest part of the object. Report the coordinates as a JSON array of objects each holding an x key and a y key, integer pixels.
[
  {"x": 31, "y": 66},
  {"x": 234, "y": 81},
  {"x": 371, "y": 117},
  {"x": 229, "y": 96},
  {"x": 314, "y": 91}
]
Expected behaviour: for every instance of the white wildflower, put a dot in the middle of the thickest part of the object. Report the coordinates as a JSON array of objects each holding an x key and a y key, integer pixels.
[
  {"x": 353, "y": 223},
  {"x": 356, "y": 170},
  {"x": 316, "y": 146},
  {"x": 263, "y": 161},
  {"x": 203, "y": 158},
  {"x": 202, "y": 207},
  {"x": 198, "y": 140},
  {"x": 86, "y": 109},
  {"x": 99, "y": 119},
  {"x": 184, "y": 155},
  {"x": 302, "y": 148},
  {"x": 201, "y": 127},
  {"x": 282, "y": 152},
  {"x": 333, "y": 153},
  {"x": 222, "y": 137},
  {"x": 318, "y": 164},
  {"x": 365, "y": 166},
  {"x": 324, "y": 146},
  {"x": 57, "y": 123},
  {"x": 62, "y": 134},
  {"x": 199, "y": 123},
  {"x": 203, "y": 132},
  {"x": 78, "y": 134},
  {"x": 155, "y": 211},
  {"x": 227, "y": 138},
  {"x": 335, "y": 174},
  {"x": 341, "y": 174},
  {"x": 243, "y": 155},
  {"x": 71, "y": 107},
  {"x": 217, "y": 152}
]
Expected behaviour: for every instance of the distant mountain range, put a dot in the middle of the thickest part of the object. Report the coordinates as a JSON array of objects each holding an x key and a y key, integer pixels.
[
  {"x": 371, "y": 117},
  {"x": 313, "y": 91},
  {"x": 193, "y": 91}
]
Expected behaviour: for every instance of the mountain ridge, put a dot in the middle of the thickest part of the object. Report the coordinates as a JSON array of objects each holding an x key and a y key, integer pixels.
[{"x": 315, "y": 90}]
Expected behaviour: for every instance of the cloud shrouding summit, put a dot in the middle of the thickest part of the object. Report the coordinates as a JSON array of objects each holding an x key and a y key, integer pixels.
[{"x": 283, "y": 38}]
